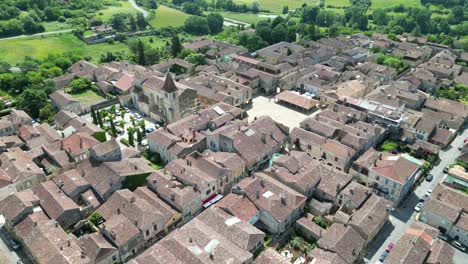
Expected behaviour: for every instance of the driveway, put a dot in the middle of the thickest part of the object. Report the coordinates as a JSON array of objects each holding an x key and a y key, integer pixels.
[
  {"x": 135, "y": 5},
  {"x": 404, "y": 216}
]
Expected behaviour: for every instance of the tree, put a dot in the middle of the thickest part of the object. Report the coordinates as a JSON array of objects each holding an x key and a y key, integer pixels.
[
  {"x": 333, "y": 31},
  {"x": 30, "y": 26},
  {"x": 285, "y": 10},
  {"x": 51, "y": 14},
  {"x": 132, "y": 22},
  {"x": 141, "y": 21},
  {"x": 192, "y": 8},
  {"x": 379, "y": 16},
  {"x": 112, "y": 126},
  {"x": 176, "y": 46},
  {"x": 47, "y": 113},
  {"x": 215, "y": 22},
  {"x": 196, "y": 59},
  {"x": 139, "y": 137},
  {"x": 79, "y": 85},
  {"x": 326, "y": 18},
  {"x": 31, "y": 101},
  {"x": 93, "y": 115},
  {"x": 118, "y": 22},
  {"x": 309, "y": 14},
  {"x": 278, "y": 33},
  {"x": 196, "y": 25},
  {"x": 140, "y": 53},
  {"x": 263, "y": 30},
  {"x": 255, "y": 7},
  {"x": 99, "y": 119},
  {"x": 131, "y": 139},
  {"x": 4, "y": 67}
]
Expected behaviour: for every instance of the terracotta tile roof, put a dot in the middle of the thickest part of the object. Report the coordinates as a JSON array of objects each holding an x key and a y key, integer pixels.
[
  {"x": 96, "y": 247},
  {"x": 371, "y": 216},
  {"x": 38, "y": 233},
  {"x": 396, "y": 168},
  {"x": 441, "y": 252},
  {"x": 121, "y": 229},
  {"x": 321, "y": 256},
  {"x": 239, "y": 206},
  {"x": 125, "y": 82},
  {"x": 413, "y": 247},
  {"x": 343, "y": 240},
  {"x": 272, "y": 196},
  {"x": 269, "y": 256},
  {"x": 18, "y": 203}
]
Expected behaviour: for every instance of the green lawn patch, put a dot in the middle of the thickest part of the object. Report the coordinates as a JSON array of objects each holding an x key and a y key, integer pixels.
[
  {"x": 120, "y": 7},
  {"x": 14, "y": 50},
  {"x": 388, "y": 145},
  {"x": 166, "y": 16},
  {"x": 153, "y": 158},
  {"x": 88, "y": 97},
  {"x": 133, "y": 182},
  {"x": 276, "y": 6},
  {"x": 55, "y": 25}
]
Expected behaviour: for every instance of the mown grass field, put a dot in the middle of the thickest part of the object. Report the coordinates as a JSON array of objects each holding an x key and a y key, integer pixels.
[
  {"x": 55, "y": 25},
  {"x": 276, "y": 6},
  {"x": 247, "y": 18},
  {"x": 120, "y": 7},
  {"x": 14, "y": 50},
  {"x": 166, "y": 16}
]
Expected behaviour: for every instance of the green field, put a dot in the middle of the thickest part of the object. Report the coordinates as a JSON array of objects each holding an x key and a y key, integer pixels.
[
  {"x": 375, "y": 3},
  {"x": 14, "y": 50},
  {"x": 247, "y": 18},
  {"x": 55, "y": 25},
  {"x": 166, "y": 16},
  {"x": 89, "y": 97},
  {"x": 276, "y": 6},
  {"x": 121, "y": 7}
]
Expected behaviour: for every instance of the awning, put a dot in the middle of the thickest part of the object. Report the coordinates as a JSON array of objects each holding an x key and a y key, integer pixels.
[{"x": 212, "y": 200}]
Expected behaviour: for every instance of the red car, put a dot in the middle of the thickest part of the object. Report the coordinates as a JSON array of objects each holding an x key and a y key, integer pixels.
[{"x": 389, "y": 247}]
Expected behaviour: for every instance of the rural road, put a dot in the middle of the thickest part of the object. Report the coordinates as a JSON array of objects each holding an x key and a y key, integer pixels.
[
  {"x": 134, "y": 4},
  {"x": 40, "y": 34}
]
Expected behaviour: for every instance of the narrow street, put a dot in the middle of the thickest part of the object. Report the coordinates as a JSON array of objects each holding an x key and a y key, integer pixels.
[
  {"x": 137, "y": 7},
  {"x": 404, "y": 216}
]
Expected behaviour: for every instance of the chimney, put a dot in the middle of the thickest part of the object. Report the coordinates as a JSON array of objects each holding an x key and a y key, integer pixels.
[
  {"x": 264, "y": 137},
  {"x": 132, "y": 199},
  {"x": 211, "y": 256},
  {"x": 262, "y": 183},
  {"x": 193, "y": 134},
  {"x": 351, "y": 191},
  {"x": 283, "y": 200},
  {"x": 112, "y": 234},
  {"x": 81, "y": 142},
  {"x": 335, "y": 108},
  {"x": 172, "y": 197},
  {"x": 68, "y": 243},
  {"x": 118, "y": 211},
  {"x": 83, "y": 254},
  {"x": 257, "y": 194},
  {"x": 189, "y": 163}
]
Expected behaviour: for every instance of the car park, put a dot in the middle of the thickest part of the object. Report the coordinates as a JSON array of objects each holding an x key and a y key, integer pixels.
[
  {"x": 429, "y": 177},
  {"x": 418, "y": 207},
  {"x": 459, "y": 246}
]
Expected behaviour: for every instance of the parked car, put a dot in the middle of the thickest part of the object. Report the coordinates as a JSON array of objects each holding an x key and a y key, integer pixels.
[
  {"x": 446, "y": 170},
  {"x": 14, "y": 245},
  {"x": 137, "y": 116},
  {"x": 443, "y": 237},
  {"x": 429, "y": 177},
  {"x": 149, "y": 130},
  {"x": 422, "y": 200},
  {"x": 383, "y": 256},
  {"x": 459, "y": 246},
  {"x": 389, "y": 247},
  {"x": 460, "y": 147},
  {"x": 418, "y": 207}
]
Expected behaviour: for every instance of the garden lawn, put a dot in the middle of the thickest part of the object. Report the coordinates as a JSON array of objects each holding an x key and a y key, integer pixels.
[
  {"x": 14, "y": 50},
  {"x": 166, "y": 16},
  {"x": 388, "y": 145},
  {"x": 88, "y": 97},
  {"x": 121, "y": 7}
]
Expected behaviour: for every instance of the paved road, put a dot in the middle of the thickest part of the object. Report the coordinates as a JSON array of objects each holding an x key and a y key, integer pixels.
[
  {"x": 404, "y": 216},
  {"x": 40, "y": 34},
  {"x": 134, "y": 4}
]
